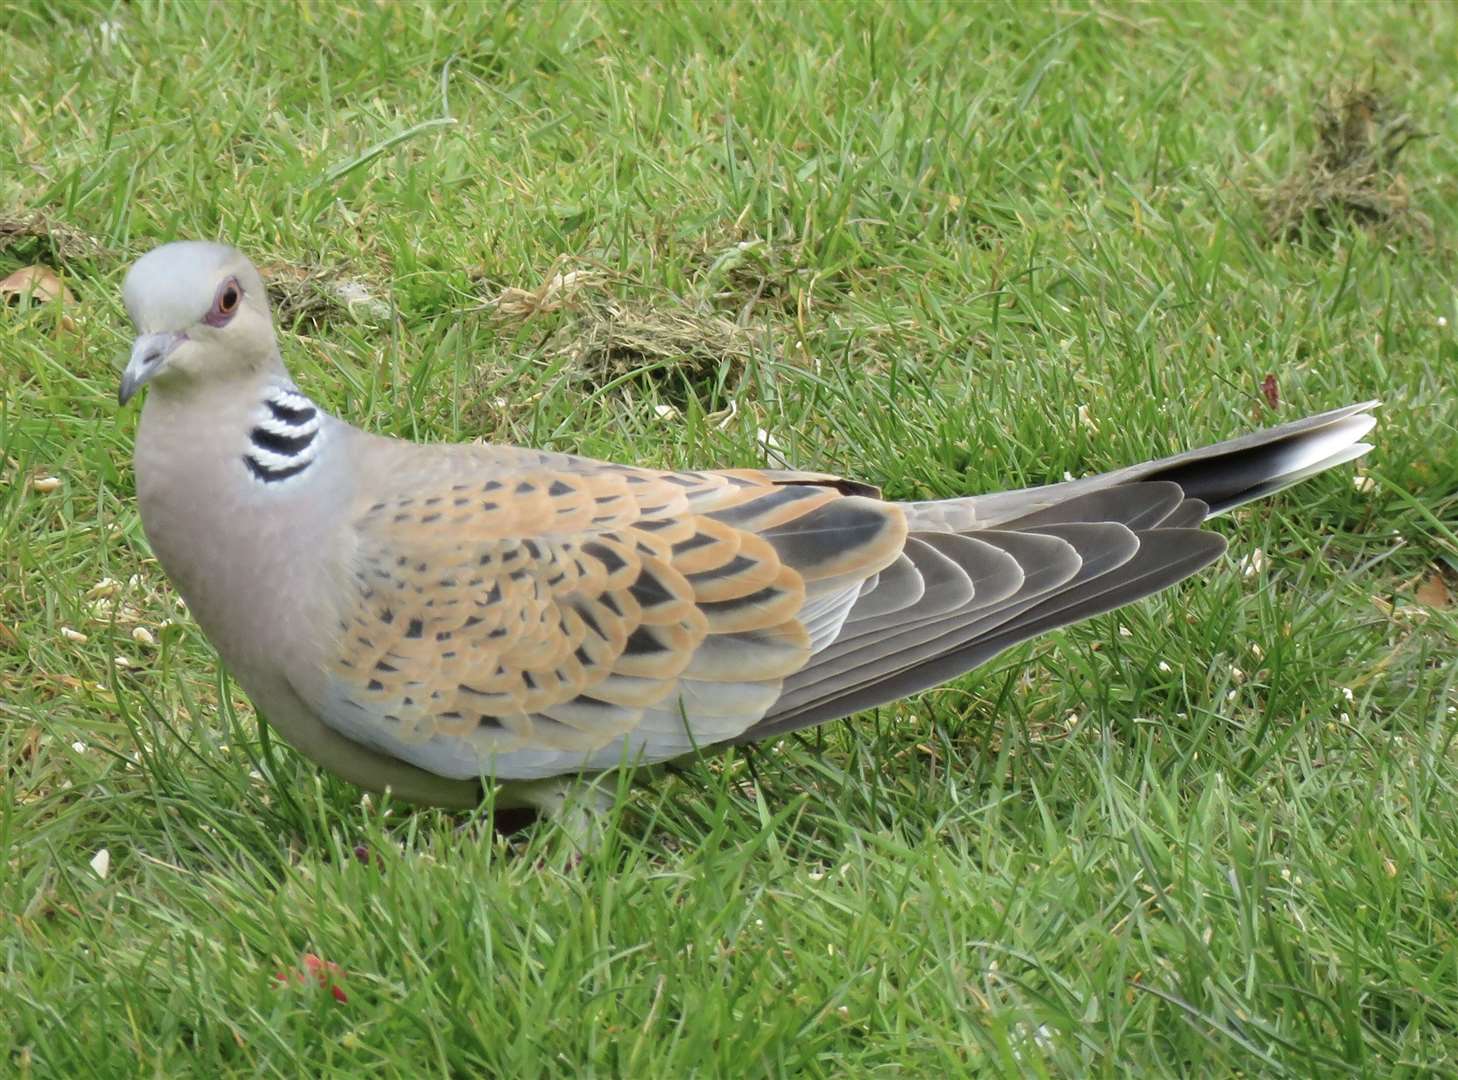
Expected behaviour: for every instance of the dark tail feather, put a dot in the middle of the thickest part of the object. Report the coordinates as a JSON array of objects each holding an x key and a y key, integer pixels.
[{"x": 1162, "y": 502}]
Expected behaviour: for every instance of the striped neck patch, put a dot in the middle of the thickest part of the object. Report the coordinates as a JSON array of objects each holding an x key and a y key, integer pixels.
[{"x": 285, "y": 437}]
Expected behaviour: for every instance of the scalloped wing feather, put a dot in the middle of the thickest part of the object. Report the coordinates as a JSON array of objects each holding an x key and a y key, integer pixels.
[{"x": 524, "y": 616}]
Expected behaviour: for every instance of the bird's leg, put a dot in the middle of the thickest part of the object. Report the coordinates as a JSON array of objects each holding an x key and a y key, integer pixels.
[{"x": 579, "y": 804}]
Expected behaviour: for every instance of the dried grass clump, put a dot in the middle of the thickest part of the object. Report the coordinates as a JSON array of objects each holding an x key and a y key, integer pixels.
[
  {"x": 35, "y": 238},
  {"x": 1352, "y": 173},
  {"x": 607, "y": 339},
  {"x": 312, "y": 298},
  {"x": 680, "y": 349},
  {"x": 517, "y": 304}
]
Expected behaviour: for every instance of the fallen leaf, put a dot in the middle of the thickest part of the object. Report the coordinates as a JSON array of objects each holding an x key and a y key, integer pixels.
[
  {"x": 105, "y": 587},
  {"x": 1271, "y": 391},
  {"x": 1434, "y": 593},
  {"x": 40, "y": 283},
  {"x": 774, "y": 451},
  {"x": 29, "y": 744}
]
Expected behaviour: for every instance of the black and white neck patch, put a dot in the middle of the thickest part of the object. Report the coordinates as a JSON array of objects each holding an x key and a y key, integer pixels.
[{"x": 285, "y": 437}]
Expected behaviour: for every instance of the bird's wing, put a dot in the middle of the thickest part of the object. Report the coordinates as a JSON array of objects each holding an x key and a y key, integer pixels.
[
  {"x": 995, "y": 588},
  {"x": 522, "y": 615}
]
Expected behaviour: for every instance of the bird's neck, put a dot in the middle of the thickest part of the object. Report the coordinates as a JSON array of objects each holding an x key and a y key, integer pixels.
[
  {"x": 241, "y": 489},
  {"x": 285, "y": 434},
  {"x": 263, "y": 433}
]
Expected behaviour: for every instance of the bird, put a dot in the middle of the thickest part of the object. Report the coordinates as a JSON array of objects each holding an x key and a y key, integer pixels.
[{"x": 440, "y": 620}]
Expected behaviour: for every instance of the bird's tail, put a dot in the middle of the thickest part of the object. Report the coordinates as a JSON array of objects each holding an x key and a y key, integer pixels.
[
  {"x": 1221, "y": 476},
  {"x": 1231, "y": 473},
  {"x": 1079, "y": 548}
]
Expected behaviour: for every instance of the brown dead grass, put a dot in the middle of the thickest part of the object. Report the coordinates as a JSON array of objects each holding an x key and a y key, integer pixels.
[
  {"x": 33, "y": 237},
  {"x": 306, "y": 298},
  {"x": 1351, "y": 174},
  {"x": 676, "y": 348},
  {"x": 679, "y": 346}
]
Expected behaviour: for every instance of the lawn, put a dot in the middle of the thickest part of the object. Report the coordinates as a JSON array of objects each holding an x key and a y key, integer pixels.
[{"x": 943, "y": 249}]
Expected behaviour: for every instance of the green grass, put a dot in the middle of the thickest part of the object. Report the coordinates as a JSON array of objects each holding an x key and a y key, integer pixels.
[{"x": 1213, "y": 834}]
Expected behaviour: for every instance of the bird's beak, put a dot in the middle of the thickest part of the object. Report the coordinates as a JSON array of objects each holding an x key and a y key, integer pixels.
[{"x": 148, "y": 354}]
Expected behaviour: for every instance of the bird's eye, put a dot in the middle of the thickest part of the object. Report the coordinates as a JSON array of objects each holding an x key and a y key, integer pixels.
[{"x": 225, "y": 303}]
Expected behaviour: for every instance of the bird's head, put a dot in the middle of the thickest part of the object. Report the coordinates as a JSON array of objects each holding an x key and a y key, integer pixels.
[{"x": 201, "y": 314}]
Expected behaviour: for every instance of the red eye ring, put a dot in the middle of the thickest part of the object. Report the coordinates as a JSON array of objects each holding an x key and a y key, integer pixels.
[{"x": 225, "y": 303}]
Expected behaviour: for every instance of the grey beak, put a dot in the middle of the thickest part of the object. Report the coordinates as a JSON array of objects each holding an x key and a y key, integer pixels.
[{"x": 148, "y": 354}]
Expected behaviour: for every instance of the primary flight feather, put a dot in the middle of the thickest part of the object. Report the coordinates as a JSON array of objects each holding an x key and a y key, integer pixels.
[{"x": 426, "y": 617}]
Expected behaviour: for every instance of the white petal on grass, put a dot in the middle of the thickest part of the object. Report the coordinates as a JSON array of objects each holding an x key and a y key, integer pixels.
[
  {"x": 74, "y": 635},
  {"x": 103, "y": 589},
  {"x": 774, "y": 453},
  {"x": 356, "y": 297},
  {"x": 142, "y": 636},
  {"x": 45, "y": 484},
  {"x": 1041, "y": 1037},
  {"x": 101, "y": 863}
]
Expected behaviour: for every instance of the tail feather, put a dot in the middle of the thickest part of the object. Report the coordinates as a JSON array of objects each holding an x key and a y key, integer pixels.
[
  {"x": 1224, "y": 475},
  {"x": 1241, "y": 474},
  {"x": 907, "y": 633}
]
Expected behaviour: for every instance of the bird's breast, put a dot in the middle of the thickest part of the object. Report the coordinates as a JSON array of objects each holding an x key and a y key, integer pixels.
[{"x": 247, "y": 557}]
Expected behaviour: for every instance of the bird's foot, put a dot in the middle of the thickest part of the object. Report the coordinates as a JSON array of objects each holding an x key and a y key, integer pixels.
[{"x": 579, "y": 805}]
